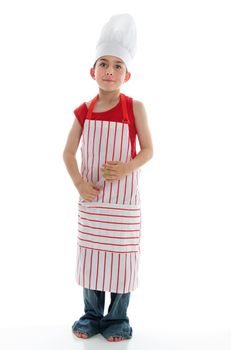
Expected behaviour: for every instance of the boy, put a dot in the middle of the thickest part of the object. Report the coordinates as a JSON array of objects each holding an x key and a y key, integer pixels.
[{"x": 109, "y": 203}]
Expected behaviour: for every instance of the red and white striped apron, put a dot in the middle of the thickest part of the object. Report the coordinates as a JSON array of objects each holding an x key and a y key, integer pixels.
[{"x": 108, "y": 227}]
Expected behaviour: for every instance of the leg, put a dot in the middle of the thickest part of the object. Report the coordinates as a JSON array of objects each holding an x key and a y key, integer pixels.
[
  {"x": 89, "y": 324},
  {"x": 115, "y": 325}
]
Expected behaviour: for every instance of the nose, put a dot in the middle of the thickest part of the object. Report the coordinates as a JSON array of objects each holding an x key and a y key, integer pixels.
[{"x": 109, "y": 71}]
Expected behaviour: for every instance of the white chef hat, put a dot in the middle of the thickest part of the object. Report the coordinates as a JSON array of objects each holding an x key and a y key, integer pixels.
[{"x": 118, "y": 38}]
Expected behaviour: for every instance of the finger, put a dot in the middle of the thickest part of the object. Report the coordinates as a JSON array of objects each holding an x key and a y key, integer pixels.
[
  {"x": 110, "y": 167},
  {"x": 105, "y": 168},
  {"x": 112, "y": 162},
  {"x": 96, "y": 192},
  {"x": 110, "y": 170},
  {"x": 111, "y": 177}
]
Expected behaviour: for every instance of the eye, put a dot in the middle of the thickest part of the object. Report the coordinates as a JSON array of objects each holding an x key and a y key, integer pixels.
[
  {"x": 118, "y": 66},
  {"x": 102, "y": 64}
]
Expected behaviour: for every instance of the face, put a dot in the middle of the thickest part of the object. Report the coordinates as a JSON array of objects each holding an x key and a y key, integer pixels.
[{"x": 110, "y": 73}]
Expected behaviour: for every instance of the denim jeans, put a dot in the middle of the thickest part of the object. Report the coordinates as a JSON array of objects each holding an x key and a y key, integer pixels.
[{"x": 115, "y": 323}]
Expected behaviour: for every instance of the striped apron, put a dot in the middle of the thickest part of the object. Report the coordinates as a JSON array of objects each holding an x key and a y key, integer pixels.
[{"x": 108, "y": 245}]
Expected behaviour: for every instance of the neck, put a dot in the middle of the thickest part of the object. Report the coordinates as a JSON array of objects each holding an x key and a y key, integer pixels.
[{"x": 108, "y": 97}]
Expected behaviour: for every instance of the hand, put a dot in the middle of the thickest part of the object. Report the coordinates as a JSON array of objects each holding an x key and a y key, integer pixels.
[
  {"x": 87, "y": 190},
  {"x": 114, "y": 170}
]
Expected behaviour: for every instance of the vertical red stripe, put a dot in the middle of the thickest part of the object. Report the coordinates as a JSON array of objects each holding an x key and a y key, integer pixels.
[
  {"x": 104, "y": 270},
  {"x": 82, "y": 163},
  {"x": 125, "y": 189},
  {"x": 131, "y": 188},
  {"x": 93, "y": 152},
  {"x": 108, "y": 130},
  {"x": 97, "y": 273},
  {"x": 84, "y": 268},
  {"x": 78, "y": 271},
  {"x": 118, "y": 274},
  {"x": 125, "y": 273},
  {"x": 99, "y": 150},
  {"x": 130, "y": 271},
  {"x": 127, "y": 149},
  {"x": 121, "y": 144},
  {"x": 125, "y": 184},
  {"x": 113, "y": 154},
  {"x": 104, "y": 185},
  {"x": 99, "y": 153},
  {"x": 113, "y": 159},
  {"x": 90, "y": 270},
  {"x": 88, "y": 132},
  {"x": 111, "y": 270},
  {"x": 136, "y": 186}
]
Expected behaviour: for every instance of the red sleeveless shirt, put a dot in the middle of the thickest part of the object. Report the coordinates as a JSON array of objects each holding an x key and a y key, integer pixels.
[{"x": 114, "y": 114}]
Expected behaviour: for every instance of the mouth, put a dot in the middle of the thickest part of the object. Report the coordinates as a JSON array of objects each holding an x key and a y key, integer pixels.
[{"x": 109, "y": 80}]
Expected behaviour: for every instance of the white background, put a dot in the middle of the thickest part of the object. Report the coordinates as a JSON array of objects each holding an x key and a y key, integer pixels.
[{"x": 182, "y": 74}]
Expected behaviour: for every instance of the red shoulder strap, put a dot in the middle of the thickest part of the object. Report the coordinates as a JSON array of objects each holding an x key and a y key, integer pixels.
[
  {"x": 124, "y": 108},
  {"x": 91, "y": 107}
]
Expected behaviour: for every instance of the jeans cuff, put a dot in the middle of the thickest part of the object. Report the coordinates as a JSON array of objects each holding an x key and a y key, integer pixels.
[{"x": 107, "y": 334}]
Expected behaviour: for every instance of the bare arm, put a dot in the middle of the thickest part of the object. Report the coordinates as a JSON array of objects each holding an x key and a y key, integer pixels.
[
  {"x": 144, "y": 136},
  {"x": 69, "y": 153}
]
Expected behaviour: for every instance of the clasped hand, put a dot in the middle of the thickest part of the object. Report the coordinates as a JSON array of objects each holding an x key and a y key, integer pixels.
[{"x": 112, "y": 170}]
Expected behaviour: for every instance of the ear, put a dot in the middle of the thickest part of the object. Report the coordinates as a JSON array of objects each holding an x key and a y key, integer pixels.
[
  {"x": 127, "y": 77},
  {"x": 92, "y": 73}
]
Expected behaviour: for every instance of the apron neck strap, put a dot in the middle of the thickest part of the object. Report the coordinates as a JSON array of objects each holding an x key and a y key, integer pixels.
[
  {"x": 123, "y": 102},
  {"x": 92, "y": 105},
  {"x": 124, "y": 108}
]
